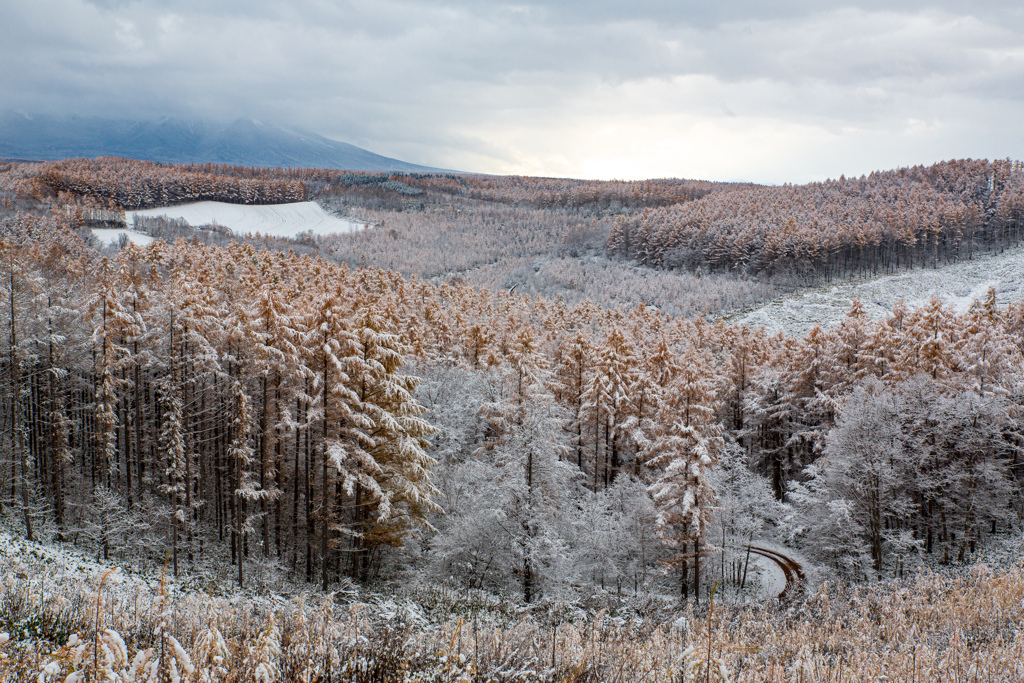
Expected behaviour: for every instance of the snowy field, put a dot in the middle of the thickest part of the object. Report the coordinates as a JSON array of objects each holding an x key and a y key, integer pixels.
[
  {"x": 957, "y": 284},
  {"x": 110, "y": 236},
  {"x": 275, "y": 220}
]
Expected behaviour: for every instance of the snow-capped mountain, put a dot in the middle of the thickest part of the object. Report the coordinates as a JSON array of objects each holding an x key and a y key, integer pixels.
[{"x": 245, "y": 142}]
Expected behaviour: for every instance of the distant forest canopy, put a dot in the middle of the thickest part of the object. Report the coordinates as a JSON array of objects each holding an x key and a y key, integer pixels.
[
  {"x": 127, "y": 184},
  {"x": 194, "y": 399},
  {"x": 884, "y": 222},
  {"x": 130, "y": 184},
  {"x": 569, "y": 194},
  {"x": 905, "y": 218}
]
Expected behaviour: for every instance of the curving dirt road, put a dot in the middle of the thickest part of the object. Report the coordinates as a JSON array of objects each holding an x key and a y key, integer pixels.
[{"x": 791, "y": 569}]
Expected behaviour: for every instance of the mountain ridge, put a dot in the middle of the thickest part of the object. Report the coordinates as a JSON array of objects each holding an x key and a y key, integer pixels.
[{"x": 245, "y": 142}]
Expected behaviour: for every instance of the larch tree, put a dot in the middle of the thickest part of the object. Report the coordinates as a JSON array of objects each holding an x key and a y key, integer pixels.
[
  {"x": 932, "y": 332},
  {"x": 20, "y": 285},
  {"x": 867, "y": 466},
  {"x": 329, "y": 344},
  {"x": 984, "y": 349},
  {"x": 175, "y": 460},
  {"x": 684, "y": 450},
  {"x": 273, "y": 336},
  {"x": 607, "y": 403},
  {"x": 112, "y": 321},
  {"x": 136, "y": 338},
  {"x": 812, "y": 368},
  {"x": 575, "y": 359},
  {"x": 523, "y": 419},
  {"x": 851, "y": 339},
  {"x": 386, "y": 469},
  {"x": 240, "y": 458}
]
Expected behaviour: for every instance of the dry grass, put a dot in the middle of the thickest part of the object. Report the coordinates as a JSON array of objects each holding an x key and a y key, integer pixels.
[{"x": 930, "y": 628}]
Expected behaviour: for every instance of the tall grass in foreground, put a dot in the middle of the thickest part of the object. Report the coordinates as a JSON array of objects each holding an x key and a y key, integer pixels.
[{"x": 930, "y": 628}]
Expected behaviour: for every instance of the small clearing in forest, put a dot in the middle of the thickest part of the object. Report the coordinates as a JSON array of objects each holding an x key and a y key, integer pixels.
[{"x": 272, "y": 220}]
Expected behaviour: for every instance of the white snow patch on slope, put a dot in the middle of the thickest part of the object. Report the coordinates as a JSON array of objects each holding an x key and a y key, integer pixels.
[
  {"x": 958, "y": 285},
  {"x": 275, "y": 220},
  {"x": 111, "y": 236}
]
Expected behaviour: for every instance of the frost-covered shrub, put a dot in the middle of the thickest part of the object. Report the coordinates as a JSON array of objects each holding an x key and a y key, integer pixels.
[{"x": 130, "y": 629}]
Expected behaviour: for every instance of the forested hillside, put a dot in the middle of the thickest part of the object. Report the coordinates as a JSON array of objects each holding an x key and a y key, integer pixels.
[
  {"x": 686, "y": 247},
  {"x": 543, "y": 236},
  {"x": 209, "y": 406},
  {"x": 128, "y": 184},
  {"x": 116, "y": 184},
  {"x": 906, "y": 218},
  {"x": 186, "y": 396}
]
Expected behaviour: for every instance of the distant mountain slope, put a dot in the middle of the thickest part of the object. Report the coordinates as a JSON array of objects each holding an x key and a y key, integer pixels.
[{"x": 245, "y": 142}]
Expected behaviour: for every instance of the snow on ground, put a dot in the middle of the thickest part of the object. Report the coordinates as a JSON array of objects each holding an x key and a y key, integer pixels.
[
  {"x": 62, "y": 561},
  {"x": 276, "y": 220},
  {"x": 956, "y": 284},
  {"x": 773, "y": 579},
  {"x": 111, "y": 236}
]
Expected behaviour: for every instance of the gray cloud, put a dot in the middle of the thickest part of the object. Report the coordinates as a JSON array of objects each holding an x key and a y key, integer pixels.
[{"x": 781, "y": 91}]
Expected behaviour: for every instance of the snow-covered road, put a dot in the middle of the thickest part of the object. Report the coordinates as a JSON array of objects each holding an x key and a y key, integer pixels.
[{"x": 792, "y": 570}]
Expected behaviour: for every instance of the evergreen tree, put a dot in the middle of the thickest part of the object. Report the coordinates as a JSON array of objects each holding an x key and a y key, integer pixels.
[{"x": 682, "y": 454}]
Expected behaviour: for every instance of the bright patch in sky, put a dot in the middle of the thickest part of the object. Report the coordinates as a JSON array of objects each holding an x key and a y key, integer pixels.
[{"x": 774, "y": 92}]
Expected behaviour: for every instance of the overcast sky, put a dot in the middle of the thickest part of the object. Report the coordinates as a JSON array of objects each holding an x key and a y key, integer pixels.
[{"x": 768, "y": 91}]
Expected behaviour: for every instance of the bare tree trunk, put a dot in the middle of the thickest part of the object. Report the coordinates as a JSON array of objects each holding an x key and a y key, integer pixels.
[
  {"x": 20, "y": 454},
  {"x": 696, "y": 570},
  {"x": 263, "y": 466},
  {"x": 278, "y": 468},
  {"x": 307, "y": 476},
  {"x": 58, "y": 438},
  {"x": 684, "y": 574},
  {"x": 296, "y": 528},
  {"x": 324, "y": 522},
  {"x": 528, "y": 578},
  {"x": 325, "y": 494}
]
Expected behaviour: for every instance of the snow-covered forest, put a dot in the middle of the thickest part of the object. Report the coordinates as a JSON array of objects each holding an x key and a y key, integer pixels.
[
  {"x": 307, "y": 416},
  {"x": 881, "y": 223}
]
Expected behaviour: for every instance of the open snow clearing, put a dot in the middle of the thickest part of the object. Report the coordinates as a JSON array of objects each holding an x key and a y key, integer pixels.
[
  {"x": 111, "y": 236},
  {"x": 957, "y": 284},
  {"x": 273, "y": 220}
]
